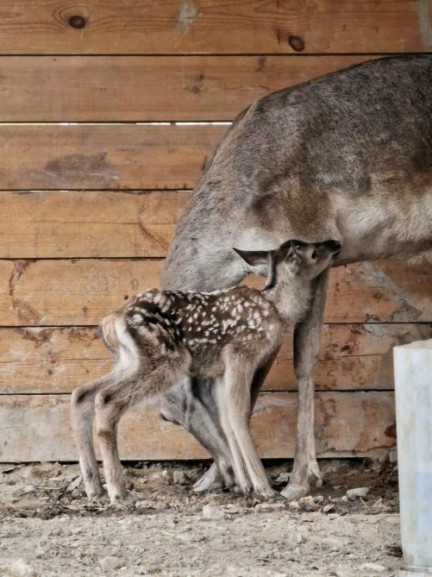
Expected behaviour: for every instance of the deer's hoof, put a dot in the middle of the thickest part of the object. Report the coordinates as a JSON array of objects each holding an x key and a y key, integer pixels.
[
  {"x": 207, "y": 484},
  {"x": 293, "y": 492},
  {"x": 210, "y": 481}
]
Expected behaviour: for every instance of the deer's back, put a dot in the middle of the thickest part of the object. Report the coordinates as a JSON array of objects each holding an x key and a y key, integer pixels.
[{"x": 345, "y": 156}]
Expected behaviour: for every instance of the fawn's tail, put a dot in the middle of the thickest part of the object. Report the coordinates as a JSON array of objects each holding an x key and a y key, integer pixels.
[{"x": 110, "y": 327}]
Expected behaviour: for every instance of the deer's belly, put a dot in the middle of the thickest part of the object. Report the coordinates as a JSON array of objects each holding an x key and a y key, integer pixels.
[{"x": 385, "y": 226}]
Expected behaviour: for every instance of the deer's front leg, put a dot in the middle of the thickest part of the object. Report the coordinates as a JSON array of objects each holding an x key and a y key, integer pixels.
[{"x": 306, "y": 346}]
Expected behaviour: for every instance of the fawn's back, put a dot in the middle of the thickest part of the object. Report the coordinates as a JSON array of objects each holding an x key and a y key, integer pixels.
[{"x": 200, "y": 324}]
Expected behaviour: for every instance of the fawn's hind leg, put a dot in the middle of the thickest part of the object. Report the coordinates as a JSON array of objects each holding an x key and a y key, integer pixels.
[
  {"x": 111, "y": 403},
  {"x": 82, "y": 417}
]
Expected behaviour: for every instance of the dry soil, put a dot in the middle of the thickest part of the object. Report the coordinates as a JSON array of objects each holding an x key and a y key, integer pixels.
[{"x": 47, "y": 527}]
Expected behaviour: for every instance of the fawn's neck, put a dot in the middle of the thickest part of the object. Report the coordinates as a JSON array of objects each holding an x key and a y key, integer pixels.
[{"x": 290, "y": 298}]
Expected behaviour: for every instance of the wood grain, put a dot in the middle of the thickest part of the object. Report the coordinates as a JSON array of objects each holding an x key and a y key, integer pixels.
[
  {"x": 359, "y": 423},
  {"x": 206, "y": 26},
  {"x": 94, "y": 157},
  {"x": 71, "y": 292},
  {"x": 138, "y": 89},
  {"x": 81, "y": 292},
  {"x": 56, "y": 360},
  {"x": 88, "y": 224}
]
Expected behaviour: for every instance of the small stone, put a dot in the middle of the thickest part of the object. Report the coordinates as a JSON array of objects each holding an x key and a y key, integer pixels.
[
  {"x": 283, "y": 477},
  {"x": 74, "y": 484},
  {"x": 274, "y": 506},
  {"x": 180, "y": 478},
  {"x": 344, "y": 572},
  {"x": 212, "y": 513},
  {"x": 163, "y": 475},
  {"x": 145, "y": 504},
  {"x": 234, "y": 509},
  {"x": 357, "y": 492},
  {"x": 374, "y": 567},
  {"x": 111, "y": 563},
  {"x": 21, "y": 568},
  {"x": 393, "y": 455}
]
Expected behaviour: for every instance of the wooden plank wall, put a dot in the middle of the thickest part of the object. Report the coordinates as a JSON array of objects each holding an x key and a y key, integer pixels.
[{"x": 108, "y": 111}]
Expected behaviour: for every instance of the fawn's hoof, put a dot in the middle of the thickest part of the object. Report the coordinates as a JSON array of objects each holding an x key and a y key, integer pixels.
[
  {"x": 264, "y": 493},
  {"x": 95, "y": 494},
  {"x": 123, "y": 499}
]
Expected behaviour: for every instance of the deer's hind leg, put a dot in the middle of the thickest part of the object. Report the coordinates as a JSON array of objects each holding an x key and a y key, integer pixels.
[
  {"x": 82, "y": 417},
  {"x": 193, "y": 404}
]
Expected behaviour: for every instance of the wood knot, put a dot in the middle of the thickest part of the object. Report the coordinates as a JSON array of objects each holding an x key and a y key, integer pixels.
[
  {"x": 296, "y": 43},
  {"x": 77, "y": 22}
]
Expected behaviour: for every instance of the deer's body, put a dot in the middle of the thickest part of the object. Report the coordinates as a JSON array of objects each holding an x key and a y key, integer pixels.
[
  {"x": 160, "y": 337},
  {"x": 346, "y": 156}
]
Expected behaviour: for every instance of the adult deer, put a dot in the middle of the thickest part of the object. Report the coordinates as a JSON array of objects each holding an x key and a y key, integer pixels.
[{"x": 346, "y": 156}]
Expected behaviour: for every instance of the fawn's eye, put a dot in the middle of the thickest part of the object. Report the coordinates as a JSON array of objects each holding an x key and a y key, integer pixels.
[{"x": 314, "y": 254}]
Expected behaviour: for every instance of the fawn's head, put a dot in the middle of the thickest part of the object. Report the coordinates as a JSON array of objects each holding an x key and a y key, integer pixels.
[{"x": 294, "y": 258}]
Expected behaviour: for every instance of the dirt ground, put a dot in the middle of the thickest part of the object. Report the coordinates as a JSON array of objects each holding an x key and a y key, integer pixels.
[{"x": 47, "y": 527}]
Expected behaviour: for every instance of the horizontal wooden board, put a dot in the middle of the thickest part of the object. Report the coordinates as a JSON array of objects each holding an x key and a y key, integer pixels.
[
  {"x": 145, "y": 88},
  {"x": 63, "y": 292},
  {"x": 206, "y": 26},
  {"x": 56, "y": 360},
  {"x": 81, "y": 292},
  {"x": 96, "y": 157},
  {"x": 36, "y": 428},
  {"x": 88, "y": 224}
]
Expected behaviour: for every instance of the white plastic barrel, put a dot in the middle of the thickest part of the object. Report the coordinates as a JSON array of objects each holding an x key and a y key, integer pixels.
[{"x": 413, "y": 383}]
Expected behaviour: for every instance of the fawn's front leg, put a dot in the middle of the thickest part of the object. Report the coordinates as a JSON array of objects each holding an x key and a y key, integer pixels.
[{"x": 239, "y": 372}]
